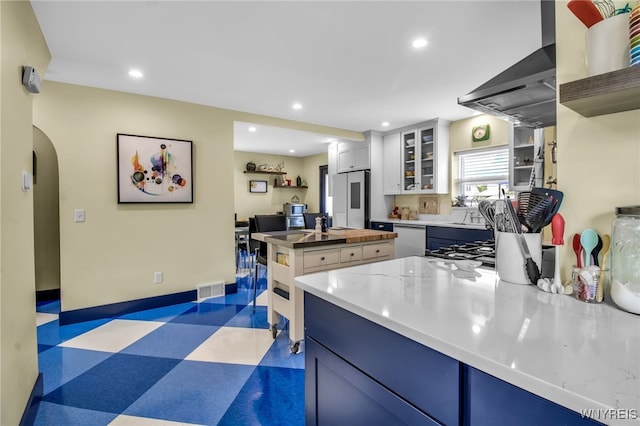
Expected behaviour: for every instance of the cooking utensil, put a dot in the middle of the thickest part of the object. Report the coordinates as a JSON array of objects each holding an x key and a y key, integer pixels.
[
  {"x": 596, "y": 252},
  {"x": 557, "y": 232},
  {"x": 585, "y": 11},
  {"x": 530, "y": 265},
  {"x": 502, "y": 218},
  {"x": 588, "y": 240},
  {"x": 577, "y": 249},
  {"x": 556, "y": 196},
  {"x": 527, "y": 201},
  {"x": 488, "y": 211},
  {"x": 606, "y": 245},
  {"x": 537, "y": 215},
  {"x": 606, "y": 8}
]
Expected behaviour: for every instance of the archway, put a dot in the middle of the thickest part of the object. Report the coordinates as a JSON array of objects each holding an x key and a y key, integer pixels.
[{"x": 46, "y": 217}]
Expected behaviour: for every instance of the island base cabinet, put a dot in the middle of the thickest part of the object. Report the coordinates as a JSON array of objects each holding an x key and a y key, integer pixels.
[
  {"x": 419, "y": 381},
  {"x": 339, "y": 393},
  {"x": 359, "y": 372},
  {"x": 491, "y": 401}
]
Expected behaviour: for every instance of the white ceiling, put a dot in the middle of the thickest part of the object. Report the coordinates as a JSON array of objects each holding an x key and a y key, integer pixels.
[{"x": 350, "y": 64}]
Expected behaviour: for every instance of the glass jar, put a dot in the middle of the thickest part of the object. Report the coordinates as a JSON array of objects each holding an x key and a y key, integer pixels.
[{"x": 625, "y": 259}]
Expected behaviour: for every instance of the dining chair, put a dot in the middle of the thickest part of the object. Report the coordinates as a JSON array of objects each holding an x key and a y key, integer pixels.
[
  {"x": 265, "y": 223},
  {"x": 310, "y": 219}
]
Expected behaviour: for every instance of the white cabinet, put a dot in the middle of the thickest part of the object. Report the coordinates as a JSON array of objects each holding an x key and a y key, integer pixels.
[
  {"x": 424, "y": 159},
  {"x": 391, "y": 173},
  {"x": 353, "y": 156},
  {"x": 526, "y": 157}
]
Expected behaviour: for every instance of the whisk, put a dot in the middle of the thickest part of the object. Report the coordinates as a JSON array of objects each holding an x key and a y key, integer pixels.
[{"x": 606, "y": 7}]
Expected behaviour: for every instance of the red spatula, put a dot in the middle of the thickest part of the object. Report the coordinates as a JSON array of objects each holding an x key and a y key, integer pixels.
[{"x": 585, "y": 11}]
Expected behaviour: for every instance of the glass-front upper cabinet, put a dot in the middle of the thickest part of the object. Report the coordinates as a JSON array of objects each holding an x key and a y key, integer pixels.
[
  {"x": 526, "y": 162},
  {"x": 409, "y": 149},
  {"x": 425, "y": 158}
]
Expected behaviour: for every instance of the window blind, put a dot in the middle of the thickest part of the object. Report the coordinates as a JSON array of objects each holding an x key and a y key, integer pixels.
[{"x": 486, "y": 165}]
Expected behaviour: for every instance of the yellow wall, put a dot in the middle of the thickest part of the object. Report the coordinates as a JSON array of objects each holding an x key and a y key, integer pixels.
[
  {"x": 248, "y": 204},
  {"x": 460, "y": 140},
  {"x": 598, "y": 157},
  {"x": 112, "y": 256},
  {"x": 21, "y": 44}
]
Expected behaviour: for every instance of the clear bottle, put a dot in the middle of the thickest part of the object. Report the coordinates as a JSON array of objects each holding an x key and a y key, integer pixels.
[{"x": 625, "y": 259}]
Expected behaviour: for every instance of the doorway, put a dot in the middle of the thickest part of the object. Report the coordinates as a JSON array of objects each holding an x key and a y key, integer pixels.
[
  {"x": 46, "y": 217},
  {"x": 326, "y": 201}
]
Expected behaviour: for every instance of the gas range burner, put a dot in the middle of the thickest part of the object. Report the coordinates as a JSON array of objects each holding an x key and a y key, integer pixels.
[{"x": 483, "y": 251}]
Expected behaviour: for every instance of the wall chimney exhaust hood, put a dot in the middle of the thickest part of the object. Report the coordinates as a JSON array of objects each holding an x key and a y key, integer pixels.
[{"x": 525, "y": 93}]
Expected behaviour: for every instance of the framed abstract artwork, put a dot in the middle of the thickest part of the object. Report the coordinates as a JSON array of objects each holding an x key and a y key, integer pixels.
[{"x": 154, "y": 170}]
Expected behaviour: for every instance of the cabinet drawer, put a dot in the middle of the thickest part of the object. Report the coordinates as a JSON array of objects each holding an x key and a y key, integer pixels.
[
  {"x": 382, "y": 226},
  {"x": 319, "y": 258},
  {"x": 350, "y": 254},
  {"x": 372, "y": 251}
]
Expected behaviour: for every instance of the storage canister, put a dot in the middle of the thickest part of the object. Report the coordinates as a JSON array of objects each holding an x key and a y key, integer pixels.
[{"x": 625, "y": 259}]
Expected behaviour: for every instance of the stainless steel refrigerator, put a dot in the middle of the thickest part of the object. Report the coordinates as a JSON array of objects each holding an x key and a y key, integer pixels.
[{"x": 351, "y": 202}]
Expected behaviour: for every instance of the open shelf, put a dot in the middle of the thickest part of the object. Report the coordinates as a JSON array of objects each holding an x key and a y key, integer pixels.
[
  {"x": 260, "y": 172},
  {"x": 608, "y": 93},
  {"x": 290, "y": 186}
]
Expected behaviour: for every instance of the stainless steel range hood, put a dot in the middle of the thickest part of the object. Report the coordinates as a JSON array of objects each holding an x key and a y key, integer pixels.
[{"x": 525, "y": 92}]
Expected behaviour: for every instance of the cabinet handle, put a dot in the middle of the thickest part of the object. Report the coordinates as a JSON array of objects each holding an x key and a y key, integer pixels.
[
  {"x": 322, "y": 258},
  {"x": 352, "y": 254},
  {"x": 378, "y": 251}
]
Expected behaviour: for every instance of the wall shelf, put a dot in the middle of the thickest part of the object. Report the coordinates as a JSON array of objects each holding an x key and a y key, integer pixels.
[
  {"x": 259, "y": 172},
  {"x": 292, "y": 187},
  {"x": 608, "y": 93}
]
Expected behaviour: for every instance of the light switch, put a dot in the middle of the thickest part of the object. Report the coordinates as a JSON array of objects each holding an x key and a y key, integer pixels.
[
  {"x": 79, "y": 215},
  {"x": 27, "y": 181}
]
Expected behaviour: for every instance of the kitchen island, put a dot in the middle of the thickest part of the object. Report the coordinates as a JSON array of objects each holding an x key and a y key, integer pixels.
[
  {"x": 428, "y": 343},
  {"x": 294, "y": 253}
]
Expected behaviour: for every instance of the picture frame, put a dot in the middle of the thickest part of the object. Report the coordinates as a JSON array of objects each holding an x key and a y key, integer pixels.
[
  {"x": 259, "y": 186},
  {"x": 154, "y": 169}
]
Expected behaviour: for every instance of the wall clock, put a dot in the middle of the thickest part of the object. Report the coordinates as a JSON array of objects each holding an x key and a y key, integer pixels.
[{"x": 480, "y": 133}]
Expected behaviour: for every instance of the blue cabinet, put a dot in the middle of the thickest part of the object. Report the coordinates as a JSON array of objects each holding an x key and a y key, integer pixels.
[
  {"x": 382, "y": 226},
  {"x": 414, "y": 375},
  {"x": 492, "y": 401},
  {"x": 359, "y": 372},
  {"x": 342, "y": 394},
  {"x": 444, "y": 236}
]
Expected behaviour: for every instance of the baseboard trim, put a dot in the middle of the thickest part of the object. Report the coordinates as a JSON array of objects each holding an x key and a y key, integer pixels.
[
  {"x": 122, "y": 308},
  {"x": 31, "y": 410},
  {"x": 47, "y": 295}
]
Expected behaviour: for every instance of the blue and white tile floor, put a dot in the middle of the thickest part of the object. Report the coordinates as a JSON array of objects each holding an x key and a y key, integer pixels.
[{"x": 207, "y": 363}]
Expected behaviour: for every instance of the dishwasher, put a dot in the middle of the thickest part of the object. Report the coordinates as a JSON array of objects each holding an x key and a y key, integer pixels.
[{"x": 411, "y": 239}]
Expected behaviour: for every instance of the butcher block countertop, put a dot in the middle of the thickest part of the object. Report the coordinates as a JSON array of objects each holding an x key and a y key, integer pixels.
[
  {"x": 362, "y": 235},
  {"x": 309, "y": 238}
]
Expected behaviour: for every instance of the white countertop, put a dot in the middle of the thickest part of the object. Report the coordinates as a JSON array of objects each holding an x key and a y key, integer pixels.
[{"x": 579, "y": 355}]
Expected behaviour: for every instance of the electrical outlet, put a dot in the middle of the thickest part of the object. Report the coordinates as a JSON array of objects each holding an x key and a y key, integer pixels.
[{"x": 157, "y": 277}]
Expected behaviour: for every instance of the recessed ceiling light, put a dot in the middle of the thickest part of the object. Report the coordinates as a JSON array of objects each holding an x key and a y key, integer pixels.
[
  {"x": 296, "y": 106},
  {"x": 292, "y": 150},
  {"x": 419, "y": 42},
  {"x": 252, "y": 129},
  {"x": 385, "y": 124},
  {"x": 135, "y": 73}
]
